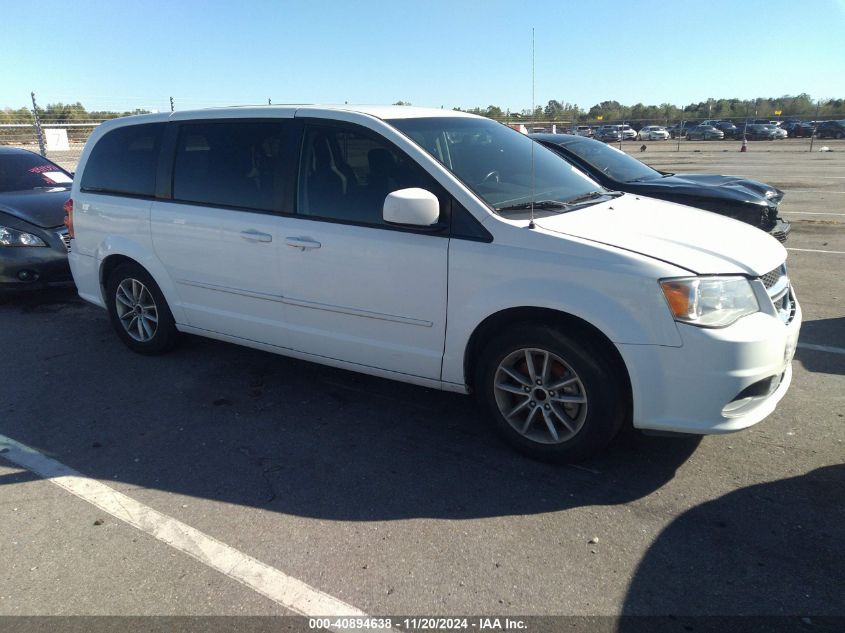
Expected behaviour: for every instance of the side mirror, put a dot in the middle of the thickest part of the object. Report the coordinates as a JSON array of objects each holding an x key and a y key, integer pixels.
[{"x": 411, "y": 207}]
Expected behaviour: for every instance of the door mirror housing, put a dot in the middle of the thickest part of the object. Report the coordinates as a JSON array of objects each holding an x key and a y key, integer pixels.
[{"x": 411, "y": 207}]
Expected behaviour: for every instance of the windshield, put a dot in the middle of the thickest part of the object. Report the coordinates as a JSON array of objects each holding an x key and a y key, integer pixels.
[
  {"x": 494, "y": 161},
  {"x": 20, "y": 172},
  {"x": 611, "y": 161}
]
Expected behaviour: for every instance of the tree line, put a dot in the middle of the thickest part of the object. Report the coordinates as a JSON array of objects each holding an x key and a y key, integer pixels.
[
  {"x": 63, "y": 113},
  {"x": 800, "y": 106}
]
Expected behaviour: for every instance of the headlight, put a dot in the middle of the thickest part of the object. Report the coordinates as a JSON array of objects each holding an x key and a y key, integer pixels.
[
  {"x": 710, "y": 301},
  {"x": 11, "y": 237}
]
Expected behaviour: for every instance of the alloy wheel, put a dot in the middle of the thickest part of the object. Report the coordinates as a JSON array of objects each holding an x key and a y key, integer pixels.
[
  {"x": 136, "y": 310},
  {"x": 540, "y": 396}
]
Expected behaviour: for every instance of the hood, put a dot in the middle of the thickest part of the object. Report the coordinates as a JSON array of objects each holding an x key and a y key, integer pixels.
[
  {"x": 699, "y": 241},
  {"x": 41, "y": 207},
  {"x": 711, "y": 185}
]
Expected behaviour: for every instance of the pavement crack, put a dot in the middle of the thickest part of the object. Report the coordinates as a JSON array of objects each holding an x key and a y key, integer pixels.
[{"x": 267, "y": 465}]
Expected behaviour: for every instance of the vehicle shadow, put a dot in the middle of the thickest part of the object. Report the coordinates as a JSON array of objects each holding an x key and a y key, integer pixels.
[
  {"x": 42, "y": 299},
  {"x": 772, "y": 549},
  {"x": 246, "y": 427},
  {"x": 828, "y": 332}
]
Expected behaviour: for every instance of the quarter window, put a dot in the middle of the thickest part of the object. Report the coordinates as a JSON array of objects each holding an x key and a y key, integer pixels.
[
  {"x": 124, "y": 161},
  {"x": 345, "y": 174},
  {"x": 232, "y": 164}
]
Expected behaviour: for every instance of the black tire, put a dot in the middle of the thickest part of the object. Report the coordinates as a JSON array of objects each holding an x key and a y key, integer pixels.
[
  {"x": 164, "y": 336},
  {"x": 600, "y": 385}
]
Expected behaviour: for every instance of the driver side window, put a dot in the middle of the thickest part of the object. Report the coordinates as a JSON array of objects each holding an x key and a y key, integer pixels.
[{"x": 345, "y": 174}]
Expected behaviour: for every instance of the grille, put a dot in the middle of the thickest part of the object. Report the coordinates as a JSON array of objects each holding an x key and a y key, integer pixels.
[
  {"x": 65, "y": 239},
  {"x": 771, "y": 277},
  {"x": 778, "y": 289}
]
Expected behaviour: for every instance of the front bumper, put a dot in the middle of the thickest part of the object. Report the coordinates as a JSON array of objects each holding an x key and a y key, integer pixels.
[
  {"x": 35, "y": 266},
  {"x": 780, "y": 231},
  {"x": 718, "y": 381}
]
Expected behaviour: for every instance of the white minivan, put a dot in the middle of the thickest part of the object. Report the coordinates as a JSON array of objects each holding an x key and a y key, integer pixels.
[{"x": 437, "y": 248}]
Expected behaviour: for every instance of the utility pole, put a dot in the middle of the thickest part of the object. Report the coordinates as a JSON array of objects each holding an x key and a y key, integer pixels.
[
  {"x": 39, "y": 133},
  {"x": 680, "y": 129},
  {"x": 745, "y": 126},
  {"x": 815, "y": 123}
]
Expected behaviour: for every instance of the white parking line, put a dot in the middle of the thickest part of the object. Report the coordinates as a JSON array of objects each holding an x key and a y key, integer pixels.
[
  {"x": 822, "y": 348},
  {"x": 811, "y": 213},
  {"x": 814, "y": 250},
  {"x": 282, "y": 589}
]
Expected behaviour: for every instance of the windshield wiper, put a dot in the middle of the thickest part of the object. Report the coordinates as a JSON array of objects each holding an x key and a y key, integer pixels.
[
  {"x": 591, "y": 196},
  {"x": 539, "y": 204}
]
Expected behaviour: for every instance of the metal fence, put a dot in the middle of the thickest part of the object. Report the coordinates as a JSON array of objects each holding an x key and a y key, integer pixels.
[{"x": 59, "y": 131}]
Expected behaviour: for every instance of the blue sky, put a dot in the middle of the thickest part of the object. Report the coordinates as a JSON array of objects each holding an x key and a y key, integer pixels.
[{"x": 117, "y": 54}]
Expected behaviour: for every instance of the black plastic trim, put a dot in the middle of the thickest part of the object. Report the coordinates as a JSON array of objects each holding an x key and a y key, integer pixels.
[
  {"x": 166, "y": 158},
  {"x": 118, "y": 194},
  {"x": 465, "y": 226}
]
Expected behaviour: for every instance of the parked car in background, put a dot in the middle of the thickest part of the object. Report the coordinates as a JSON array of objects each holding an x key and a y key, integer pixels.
[
  {"x": 33, "y": 238},
  {"x": 799, "y": 129},
  {"x": 352, "y": 236},
  {"x": 653, "y": 133},
  {"x": 583, "y": 130},
  {"x": 831, "y": 129},
  {"x": 628, "y": 133},
  {"x": 609, "y": 133},
  {"x": 753, "y": 202},
  {"x": 679, "y": 129},
  {"x": 728, "y": 128},
  {"x": 777, "y": 131},
  {"x": 704, "y": 133},
  {"x": 759, "y": 132}
]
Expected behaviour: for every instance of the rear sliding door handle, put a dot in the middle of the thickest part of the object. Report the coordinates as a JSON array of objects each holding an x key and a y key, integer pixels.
[
  {"x": 299, "y": 242},
  {"x": 256, "y": 236}
]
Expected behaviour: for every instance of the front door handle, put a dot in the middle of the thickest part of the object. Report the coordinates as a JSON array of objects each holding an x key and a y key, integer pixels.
[
  {"x": 303, "y": 243},
  {"x": 256, "y": 236}
]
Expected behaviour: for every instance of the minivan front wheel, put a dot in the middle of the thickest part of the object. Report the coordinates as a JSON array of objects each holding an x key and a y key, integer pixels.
[
  {"x": 550, "y": 396},
  {"x": 138, "y": 311}
]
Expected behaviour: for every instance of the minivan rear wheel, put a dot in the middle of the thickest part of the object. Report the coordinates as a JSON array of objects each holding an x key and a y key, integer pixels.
[
  {"x": 548, "y": 395},
  {"x": 138, "y": 311}
]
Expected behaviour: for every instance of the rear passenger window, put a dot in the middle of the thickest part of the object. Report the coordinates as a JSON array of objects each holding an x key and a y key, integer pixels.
[
  {"x": 346, "y": 175},
  {"x": 124, "y": 161},
  {"x": 231, "y": 163}
]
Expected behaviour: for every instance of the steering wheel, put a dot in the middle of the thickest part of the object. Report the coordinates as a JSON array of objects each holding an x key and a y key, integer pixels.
[{"x": 494, "y": 175}]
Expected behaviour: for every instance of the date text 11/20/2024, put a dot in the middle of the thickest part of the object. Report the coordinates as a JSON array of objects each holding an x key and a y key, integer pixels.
[{"x": 417, "y": 624}]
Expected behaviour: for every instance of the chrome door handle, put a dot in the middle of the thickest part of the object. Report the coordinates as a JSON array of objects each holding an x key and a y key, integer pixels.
[
  {"x": 304, "y": 244},
  {"x": 256, "y": 236}
]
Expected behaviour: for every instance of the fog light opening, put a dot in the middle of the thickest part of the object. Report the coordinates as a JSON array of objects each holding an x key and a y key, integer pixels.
[{"x": 751, "y": 395}]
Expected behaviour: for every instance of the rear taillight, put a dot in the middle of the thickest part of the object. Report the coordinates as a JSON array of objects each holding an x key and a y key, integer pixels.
[{"x": 68, "y": 207}]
